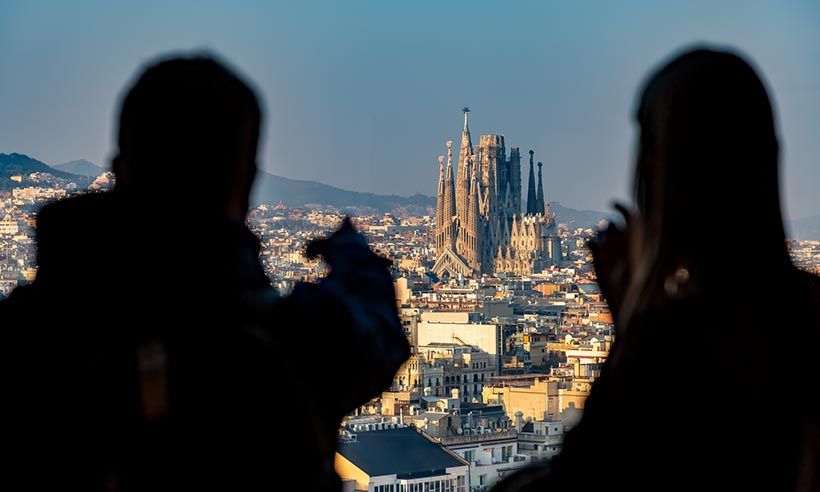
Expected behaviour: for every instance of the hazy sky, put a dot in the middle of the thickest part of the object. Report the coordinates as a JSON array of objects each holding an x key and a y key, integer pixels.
[{"x": 363, "y": 95}]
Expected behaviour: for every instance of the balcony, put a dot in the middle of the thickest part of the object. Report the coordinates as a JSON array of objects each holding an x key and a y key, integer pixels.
[{"x": 473, "y": 438}]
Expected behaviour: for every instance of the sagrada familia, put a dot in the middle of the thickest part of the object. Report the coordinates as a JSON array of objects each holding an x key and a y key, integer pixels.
[{"x": 479, "y": 225}]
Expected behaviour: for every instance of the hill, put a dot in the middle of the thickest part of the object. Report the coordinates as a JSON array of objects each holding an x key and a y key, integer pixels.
[
  {"x": 20, "y": 164},
  {"x": 80, "y": 167},
  {"x": 272, "y": 189},
  {"x": 579, "y": 218},
  {"x": 299, "y": 193}
]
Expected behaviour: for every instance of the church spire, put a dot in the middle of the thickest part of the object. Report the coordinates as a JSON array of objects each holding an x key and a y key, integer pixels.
[
  {"x": 473, "y": 248},
  {"x": 440, "y": 174},
  {"x": 466, "y": 140},
  {"x": 540, "y": 200},
  {"x": 532, "y": 206},
  {"x": 440, "y": 198},
  {"x": 464, "y": 171},
  {"x": 449, "y": 200}
]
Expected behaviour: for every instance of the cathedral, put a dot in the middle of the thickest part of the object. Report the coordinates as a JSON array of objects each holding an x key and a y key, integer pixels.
[{"x": 480, "y": 228}]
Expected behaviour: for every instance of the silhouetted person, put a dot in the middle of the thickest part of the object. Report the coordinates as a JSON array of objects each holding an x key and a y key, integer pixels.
[
  {"x": 711, "y": 382},
  {"x": 151, "y": 353}
]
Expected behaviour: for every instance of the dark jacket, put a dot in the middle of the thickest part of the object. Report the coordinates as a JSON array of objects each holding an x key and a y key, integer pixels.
[
  {"x": 151, "y": 353},
  {"x": 716, "y": 391}
]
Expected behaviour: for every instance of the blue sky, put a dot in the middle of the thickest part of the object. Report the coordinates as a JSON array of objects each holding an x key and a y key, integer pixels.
[{"x": 363, "y": 95}]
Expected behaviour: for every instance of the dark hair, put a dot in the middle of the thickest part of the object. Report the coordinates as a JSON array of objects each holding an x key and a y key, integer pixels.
[
  {"x": 188, "y": 125},
  {"x": 706, "y": 177}
]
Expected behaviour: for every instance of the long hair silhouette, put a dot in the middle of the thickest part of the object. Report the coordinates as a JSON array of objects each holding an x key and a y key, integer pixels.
[{"x": 706, "y": 179}]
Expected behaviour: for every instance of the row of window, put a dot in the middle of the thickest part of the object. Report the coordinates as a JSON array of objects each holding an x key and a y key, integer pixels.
[{"x": 442, "y": 485}]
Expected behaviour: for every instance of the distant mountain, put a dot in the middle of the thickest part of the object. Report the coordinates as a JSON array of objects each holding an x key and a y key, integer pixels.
[
  {"x": 579, "y": 218},
  {"x": 274, "y": 189},
  {"x": 81, "y": 167},
  {"x": 807, "y": 228},
  {"x": 16, "y": 164}
]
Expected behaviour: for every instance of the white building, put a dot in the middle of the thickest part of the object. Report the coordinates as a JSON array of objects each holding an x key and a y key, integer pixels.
[
  {"x": 465, "y": 328},
  {"x": 9, "y": 226},
  {"x": 492, "y": 455}
]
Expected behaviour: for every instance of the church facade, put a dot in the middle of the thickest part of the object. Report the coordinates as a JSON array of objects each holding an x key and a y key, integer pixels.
[{"x": 480, "y": 228}]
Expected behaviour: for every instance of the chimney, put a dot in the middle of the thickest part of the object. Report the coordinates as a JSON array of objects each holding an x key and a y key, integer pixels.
[{"x": 519, "y": 421}]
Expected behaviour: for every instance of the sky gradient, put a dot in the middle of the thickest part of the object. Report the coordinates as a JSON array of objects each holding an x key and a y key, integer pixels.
[{"x": 363, "y": 95}]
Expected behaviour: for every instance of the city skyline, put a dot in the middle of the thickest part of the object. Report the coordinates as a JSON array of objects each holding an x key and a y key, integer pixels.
[{"x": 372, "y": 94}]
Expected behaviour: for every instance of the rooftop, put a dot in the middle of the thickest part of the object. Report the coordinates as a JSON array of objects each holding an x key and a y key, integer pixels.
[{"x": 404, "y": 452}]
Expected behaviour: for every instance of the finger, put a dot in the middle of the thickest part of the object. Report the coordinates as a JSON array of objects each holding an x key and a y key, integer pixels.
[
  {"x": 347, "y": 224},
  {"x": 315, "y": 248},
  {"x": 625, "y": 212}
]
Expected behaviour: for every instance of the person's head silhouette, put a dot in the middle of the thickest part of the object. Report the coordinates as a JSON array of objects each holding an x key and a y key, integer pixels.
[
  {"x": 188, "y": 135},
  {"x": 706, "y": 179}
]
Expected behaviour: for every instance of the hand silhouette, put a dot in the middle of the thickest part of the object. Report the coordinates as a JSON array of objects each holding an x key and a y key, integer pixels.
[{"x": 612, "y": 257}]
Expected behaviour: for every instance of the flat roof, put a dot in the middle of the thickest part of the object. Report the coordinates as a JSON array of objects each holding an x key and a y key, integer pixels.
[{"x": 402, "y": 451}]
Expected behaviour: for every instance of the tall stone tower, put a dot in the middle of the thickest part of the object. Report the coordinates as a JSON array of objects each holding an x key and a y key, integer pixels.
[
  {"x": 465, "y": 161},
  {"x": 448, "y": 225},
  {"x": 532, "y": 206},
  {"x": 479, "y": 225}
]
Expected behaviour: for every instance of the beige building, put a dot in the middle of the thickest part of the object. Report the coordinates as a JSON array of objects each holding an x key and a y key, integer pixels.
[
  {"x": 403, "y": 292},
  {"x": 535, "y": 397},
  {"x": 460, "y": 327},
  {"x": 536, "y": 345},
  {"x": 462, "y": 367},
  {"x": 539, "y": 398},
  {"x": 586, "y": 363},
  {"x": 9, "y": 226}
]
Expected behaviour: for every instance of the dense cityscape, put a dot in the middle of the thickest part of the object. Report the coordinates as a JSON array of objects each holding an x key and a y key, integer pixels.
[{"x": 502, "y": 358}]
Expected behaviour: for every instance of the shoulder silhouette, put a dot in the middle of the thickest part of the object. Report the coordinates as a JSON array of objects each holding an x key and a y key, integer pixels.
[
  {"x": 702, "y": 287},
  {"x": 150, "y": 352}
]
